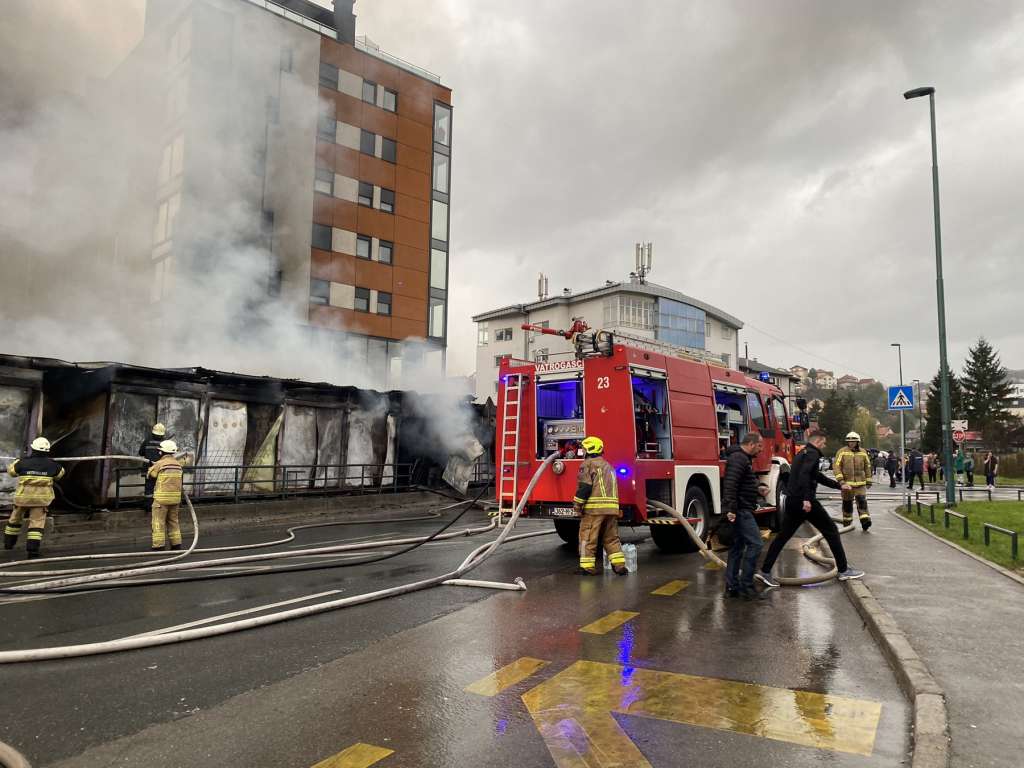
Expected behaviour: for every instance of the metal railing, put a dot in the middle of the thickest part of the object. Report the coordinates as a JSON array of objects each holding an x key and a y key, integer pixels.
[
  {"x": 366, "y": 45},
  {"x": 989, "y": 527},
  {"x": 298, "y": 18},
  {"x": 261, "y": 481}
]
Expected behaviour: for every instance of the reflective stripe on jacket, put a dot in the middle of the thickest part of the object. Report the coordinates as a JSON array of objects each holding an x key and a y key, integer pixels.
[
  {"x": 36, "y": 475},
  {"x": 597, "y": 491},
  {"x": 168, "y": 473},
  {"x": 853, "y": 467}
]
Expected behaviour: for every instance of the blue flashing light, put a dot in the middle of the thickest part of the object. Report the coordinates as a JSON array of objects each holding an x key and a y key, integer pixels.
[{"x": 623, "y": 471}]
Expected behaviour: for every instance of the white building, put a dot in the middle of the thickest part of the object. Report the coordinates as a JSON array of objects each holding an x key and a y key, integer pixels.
[
  {"x": 641, "y": 309},
  {"x": 1016, "y": 396}
]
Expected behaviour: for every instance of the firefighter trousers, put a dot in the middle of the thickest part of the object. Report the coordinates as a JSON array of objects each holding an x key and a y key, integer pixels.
[
  {"x": 165, "y": 525},
  {"x": 36, "y": 525},
  {"x": 603, "y": 530},
  {"x": 858, "y": 495}
]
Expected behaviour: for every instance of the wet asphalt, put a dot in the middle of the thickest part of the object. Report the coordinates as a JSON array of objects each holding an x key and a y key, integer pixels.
[{"x": 393, "y": 673}]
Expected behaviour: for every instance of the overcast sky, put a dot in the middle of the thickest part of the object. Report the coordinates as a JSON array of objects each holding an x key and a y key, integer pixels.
[{"x": 764, "y": 147}]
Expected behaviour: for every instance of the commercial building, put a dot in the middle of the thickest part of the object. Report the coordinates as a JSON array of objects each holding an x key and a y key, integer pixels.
[
  {"x": 638, "y": 308},
  {"x": 781, "y": 378},
  {"x": 320, "y": 161}
]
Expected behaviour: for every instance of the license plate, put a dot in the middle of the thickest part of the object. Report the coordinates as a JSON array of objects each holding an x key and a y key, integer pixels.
[{"x": 561, "y": 511}]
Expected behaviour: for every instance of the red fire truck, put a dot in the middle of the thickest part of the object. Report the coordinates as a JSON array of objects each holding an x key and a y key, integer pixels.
[{"x": 665, "y": 415}]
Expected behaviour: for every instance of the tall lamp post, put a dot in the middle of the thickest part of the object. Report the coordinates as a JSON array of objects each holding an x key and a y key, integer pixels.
[
  {"x": 920, "y": 410},
  {"x": 903, "y": 431},
  {"x": 947, "y": 442}
]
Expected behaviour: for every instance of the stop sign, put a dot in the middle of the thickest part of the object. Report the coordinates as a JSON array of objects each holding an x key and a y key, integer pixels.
[{"x": 959, "y": 436}]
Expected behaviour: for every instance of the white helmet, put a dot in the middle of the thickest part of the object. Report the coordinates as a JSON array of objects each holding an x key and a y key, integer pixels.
[
  {"x": 168, "y": 446},
  {"x": 852, "y": 436},
  {"x": 159, "y": 430},
  {"x": 41, "y": 444}
]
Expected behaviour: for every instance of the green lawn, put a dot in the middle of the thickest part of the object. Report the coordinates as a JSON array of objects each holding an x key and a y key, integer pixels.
[{"x": 1006, "y": 514}]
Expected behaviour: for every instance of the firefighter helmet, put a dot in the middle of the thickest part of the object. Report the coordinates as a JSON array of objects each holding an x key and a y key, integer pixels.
[
  {"x": 594, "y": 446},
  {"x": 852, "y": 436},
  {"x": 41, "y": 444},
  {"x": 168, "y": 446},
  {"x": 159, "y": 430}
]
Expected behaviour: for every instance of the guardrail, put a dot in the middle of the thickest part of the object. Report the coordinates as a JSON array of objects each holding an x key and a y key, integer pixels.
[
  {"x": 989, "y": 527},
  {"x": 948, "y": 513}
]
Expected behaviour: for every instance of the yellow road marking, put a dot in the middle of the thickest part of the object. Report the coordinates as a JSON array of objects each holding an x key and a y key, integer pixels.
[
  {"x": 607, "y": 623},
  {"x": 672, "y": 587},
  {"x": 357, "y": 756},
  {"x": 507, "y": 676},
  {"x": 573, "y": 712}
]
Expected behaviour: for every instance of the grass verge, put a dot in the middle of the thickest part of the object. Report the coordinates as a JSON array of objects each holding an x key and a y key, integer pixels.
[{"x": 1005, "y": 514}]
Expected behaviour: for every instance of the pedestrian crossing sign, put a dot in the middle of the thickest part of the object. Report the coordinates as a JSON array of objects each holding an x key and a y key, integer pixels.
[{"x": 901, "y": 398}]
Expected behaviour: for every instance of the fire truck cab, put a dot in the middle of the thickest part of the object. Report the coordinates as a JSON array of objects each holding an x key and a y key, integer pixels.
[{"x": 666, "y": 418}]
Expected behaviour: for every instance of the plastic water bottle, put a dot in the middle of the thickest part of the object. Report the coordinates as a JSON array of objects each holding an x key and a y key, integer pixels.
[{"x": 629, "y": 550}]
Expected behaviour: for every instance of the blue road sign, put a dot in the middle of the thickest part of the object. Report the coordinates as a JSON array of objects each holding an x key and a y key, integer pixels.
[{"x": 901, "y": 398}]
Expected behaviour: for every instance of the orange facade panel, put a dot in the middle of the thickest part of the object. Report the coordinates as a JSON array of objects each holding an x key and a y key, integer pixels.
[
  {"x": 412, "y": 183},
  {"x": 323, "y": 209},
  {"x": 381, "y": 73},
  {"x": 342, "y": 56},
  {"x": 376, "y": 171},
  {"x": 325, "y": 154},
  {"x": 327, "y": 317},
  {"x": 376, "y": 224},
  {"x": 416, "y": 135},
  {"x": 373, "y": 274},
  {"x": 346, "y": 162},
  {"x": 413, "y": 158},
  {"x": 409, "y": 308},
  {"x": 410, "y": 232},
  {"x": 409, "y": 282},
  {"x": 347, "y": 109},
  {"x": 368, "y": 323},
  {"x": 345, "y": 215},
  {"x": 320, "y": 265},
  {"x": 379, "y": 121},
  {"x": 410, "y": 257},
  {"x": 404, "y": 329},
  {"x": 412, "y": 208}
]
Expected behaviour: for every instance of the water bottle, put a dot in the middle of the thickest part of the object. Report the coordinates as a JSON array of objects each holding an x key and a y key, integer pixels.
[{"x": 629, "y": 550}]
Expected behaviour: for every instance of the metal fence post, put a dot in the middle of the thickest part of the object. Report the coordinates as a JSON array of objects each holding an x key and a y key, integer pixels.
[
  {"x": 931, "y": 513},
  {"x": 117, "y": 487},
  {"x": 236, "y": 484}
]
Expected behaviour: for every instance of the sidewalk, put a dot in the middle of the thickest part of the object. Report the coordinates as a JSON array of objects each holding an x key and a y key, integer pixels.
[{"x": 967, "y": 623}]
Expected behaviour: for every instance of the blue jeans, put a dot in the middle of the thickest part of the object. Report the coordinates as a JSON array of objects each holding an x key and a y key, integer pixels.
[{"x": 746, "y": 546}]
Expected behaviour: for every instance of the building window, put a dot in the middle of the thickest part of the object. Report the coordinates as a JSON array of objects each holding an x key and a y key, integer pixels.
[
  {"x": 326, "y": 128},
  {"x": 328, "y": 75},
  {"x": 385, "y": 249},
  {"x": 438, "y": 269},
  {"x": 503, "y": 334},
  {"x": 369, "y": 92},
  {"x": 440, "y": 172},
  {"x": 436, "y": 329},
  {"x": 499, "y": 358},
  {"x": 390, "y": 100},
  {"x": 439, "y": 220},
  {"x": 388, "y": 150},
  {"x": 630, "y": 312},
  {"x": 324, "y": 181},
  {"x": 383, "y": 303},
  {"x": 365, "y": 193},
  {"x": 363, "y": 246},
  {"x": 322, "y": 237},
  {"x": 443, "y": 124},
  {"x": 540, "y": 355},
  {"x": 681, "y": 324},
  {"x": 367, "y": 142},
  {"x": 726, "y": 331},
  {"x": 362, "y": 300},
  {"x": 483, "y": 335},
  {"x": 387, "y": 201},
  {"x": 319, "y": 292}
]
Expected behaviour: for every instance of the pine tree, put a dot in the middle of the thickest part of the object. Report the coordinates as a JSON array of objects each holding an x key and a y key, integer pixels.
[
  {"x": 932, "y": 440},
  {"x": 836, "y": 418},
  {"x": 986, "y": 386}
]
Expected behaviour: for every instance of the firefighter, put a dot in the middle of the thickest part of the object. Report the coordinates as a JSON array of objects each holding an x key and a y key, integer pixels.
[
  {"x": 166, "y": 473},
  {"x": 853, "y": 468},
  {"x": 36, "y": 474},
  {"x": 597, "y": 503},
  {"x": 150, "y": 450}
]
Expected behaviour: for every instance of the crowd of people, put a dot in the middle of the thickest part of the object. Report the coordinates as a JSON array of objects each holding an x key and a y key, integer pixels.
[{"x": 916, "y": 465}]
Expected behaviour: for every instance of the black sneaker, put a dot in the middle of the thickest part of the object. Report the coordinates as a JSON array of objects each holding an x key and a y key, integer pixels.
[
  {"x": 729, "y": 592},
  {"x": 749, "y": 593},
  {"x": 865, "y": 524},
  {"x": 766, "y": 579}
]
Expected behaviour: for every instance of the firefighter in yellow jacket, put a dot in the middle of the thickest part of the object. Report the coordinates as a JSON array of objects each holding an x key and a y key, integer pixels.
[
  {"x": 597, "y": 503},
  {"x": 853, "y": 468},
  {"x": 36, "y": 475},
  {"x": 167, "y": 474}
]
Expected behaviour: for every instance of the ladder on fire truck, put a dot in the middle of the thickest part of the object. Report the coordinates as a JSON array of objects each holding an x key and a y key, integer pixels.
[{"x": 508, "y": 463}]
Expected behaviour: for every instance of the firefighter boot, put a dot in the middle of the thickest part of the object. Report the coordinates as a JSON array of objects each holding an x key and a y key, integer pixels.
[
  {"x": 10, "y": 539},
  {"x": 175, "y": 546},
  {"x": 862, "y": 512},
  {"x": 847, "y": 511}
]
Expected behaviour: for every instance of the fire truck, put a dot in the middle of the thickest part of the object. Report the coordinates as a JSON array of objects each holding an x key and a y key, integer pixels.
[{"x": 666, "y": 416}]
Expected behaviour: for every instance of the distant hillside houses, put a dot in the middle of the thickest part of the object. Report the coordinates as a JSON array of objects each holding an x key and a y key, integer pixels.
[{"x": 824, "y": 379}]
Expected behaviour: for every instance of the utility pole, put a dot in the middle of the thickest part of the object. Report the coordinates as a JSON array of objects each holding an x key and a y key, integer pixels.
[{"x": 903, "y": 432}]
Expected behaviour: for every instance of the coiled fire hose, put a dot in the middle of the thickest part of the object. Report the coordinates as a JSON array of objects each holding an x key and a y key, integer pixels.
[
  {"x": 11, "y": 758},
  {"x": 809, "y": 548},
  {"x": 473, "y": 560}
]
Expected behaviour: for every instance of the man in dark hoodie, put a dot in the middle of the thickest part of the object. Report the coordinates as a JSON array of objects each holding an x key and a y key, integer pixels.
[
  {"x": 802, "y": 506},
  {"x": 739, "y": 500}
]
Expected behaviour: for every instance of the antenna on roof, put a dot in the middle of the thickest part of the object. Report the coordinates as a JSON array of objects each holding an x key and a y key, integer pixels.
[
  {"x": 542, "y": 286},
  {"x": 643, "y": 260}
]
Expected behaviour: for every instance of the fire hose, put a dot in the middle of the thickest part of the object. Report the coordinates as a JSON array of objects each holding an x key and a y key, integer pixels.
[
  {"x": 11, "y": 758},
  {"x": 472, "y": 561},
  {"x": 808, "y": 548}
]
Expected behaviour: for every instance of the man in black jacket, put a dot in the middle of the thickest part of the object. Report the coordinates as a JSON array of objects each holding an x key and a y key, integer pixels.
[
  {"x": 150, "y": 450},
  {"x": 739, "y": 499},
  {"x": 915, "y": 468},
  {"x": 803, "y": 506}
]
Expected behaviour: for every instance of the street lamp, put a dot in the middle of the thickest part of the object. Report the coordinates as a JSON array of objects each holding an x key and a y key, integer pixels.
[
  {"x": 947, "y": 444},
  {"x": 903, "y": 431},
  {"x": 920, "y": 410}
]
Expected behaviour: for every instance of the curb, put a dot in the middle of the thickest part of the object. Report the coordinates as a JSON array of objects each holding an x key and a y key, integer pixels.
[
  {"x": 994, "y": 566},
  {"x": 931, "y": 727}
]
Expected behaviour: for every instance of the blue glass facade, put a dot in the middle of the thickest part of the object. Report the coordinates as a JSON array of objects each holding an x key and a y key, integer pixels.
[{"x": 681, "y": 324}]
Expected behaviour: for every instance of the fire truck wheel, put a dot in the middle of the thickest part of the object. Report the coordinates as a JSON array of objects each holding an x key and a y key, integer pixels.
[
  {"x": 673, "y": 538},
  {"x": 775, "y": 518},
  {"x": 568, "y": 530}
]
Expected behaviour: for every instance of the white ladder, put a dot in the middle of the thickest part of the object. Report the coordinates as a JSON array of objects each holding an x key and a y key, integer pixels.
[{"x": 508, "y": 462}]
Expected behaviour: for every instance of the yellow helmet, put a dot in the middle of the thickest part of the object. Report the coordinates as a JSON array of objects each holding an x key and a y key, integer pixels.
[
  {"x": 594, "y": 446},
  {"x": 852, "y": 436},
  {"x": 41, "y": 444},
  {"x": 168, "y": 446},
  {"x": 159, "y": 430}
]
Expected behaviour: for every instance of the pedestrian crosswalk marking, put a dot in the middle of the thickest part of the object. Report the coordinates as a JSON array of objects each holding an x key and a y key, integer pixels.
[
  {"x": 672, "y": 588},
  {"x": 506, "y": 677},
  {"x": 607, "y": 623},
  {"x": 357, "y": 756},
  {"x": 574, "y": 712}
]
